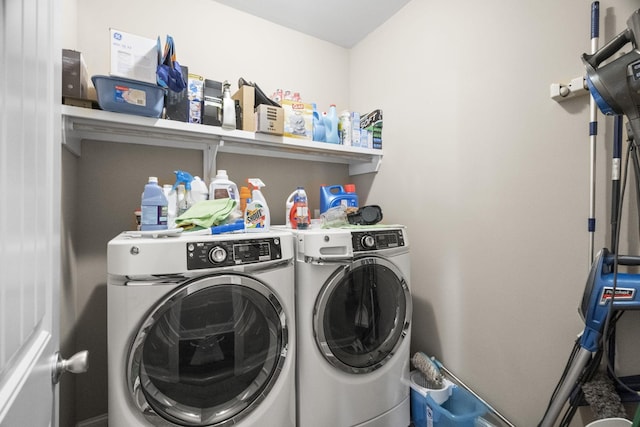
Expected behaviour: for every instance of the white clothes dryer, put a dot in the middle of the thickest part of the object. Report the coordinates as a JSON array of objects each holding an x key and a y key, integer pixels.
[
  {"x": 353, "y": 317},
  {"x": 201, "y": 331}
]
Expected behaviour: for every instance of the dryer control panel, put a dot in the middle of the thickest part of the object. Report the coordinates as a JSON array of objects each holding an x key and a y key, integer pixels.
[
  {"x": 373, "y": 240},
  {"x": 226, "y": 253}
]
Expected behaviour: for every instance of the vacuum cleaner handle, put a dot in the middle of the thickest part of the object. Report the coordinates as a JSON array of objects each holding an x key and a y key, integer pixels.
[
  {"x": 627, "y": 259},
  {"x": 608, "y": 50}
]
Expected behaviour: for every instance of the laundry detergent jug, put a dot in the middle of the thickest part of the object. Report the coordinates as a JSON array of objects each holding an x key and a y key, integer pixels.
[{"x": 336, "y": 195}]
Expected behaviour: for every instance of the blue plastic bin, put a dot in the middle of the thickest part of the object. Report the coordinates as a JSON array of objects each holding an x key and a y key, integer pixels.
[
  {"x": 460, "y": 410},
  {"x": 129, "y": 96}
]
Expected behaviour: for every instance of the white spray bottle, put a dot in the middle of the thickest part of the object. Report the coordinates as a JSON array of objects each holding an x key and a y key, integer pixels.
[{"x": 256, "y": 216}]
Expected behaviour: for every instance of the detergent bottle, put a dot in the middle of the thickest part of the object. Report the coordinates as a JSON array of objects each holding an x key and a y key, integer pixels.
[
  {"x": 187, "y": 201},
  {"x": 288, "y": 205},
  {"x": 319, "y": 132},
  {"x": 221, "y": 187},
  {"x": 331, "y": 125},
  {"x": 336, "y": 195},
  {"x": 256, "y": 216},
  {"x": 153, "y": 207},
  {"x": 300, "y": 218}
]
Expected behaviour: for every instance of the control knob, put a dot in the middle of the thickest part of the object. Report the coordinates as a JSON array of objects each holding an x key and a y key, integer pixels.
[
  {"x": 217, "y": 255},
  {"x": 368, "y": 242}
]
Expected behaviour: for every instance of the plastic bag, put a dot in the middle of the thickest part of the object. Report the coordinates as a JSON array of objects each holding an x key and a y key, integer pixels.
[{"x": 169, "y": 73}]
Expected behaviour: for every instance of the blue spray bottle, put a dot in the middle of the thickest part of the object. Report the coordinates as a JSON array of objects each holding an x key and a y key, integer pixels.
[{"x": 186, "y": 202}]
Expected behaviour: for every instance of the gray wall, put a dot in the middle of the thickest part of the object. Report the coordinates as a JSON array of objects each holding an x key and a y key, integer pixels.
[{"x": 490, "y": 175}]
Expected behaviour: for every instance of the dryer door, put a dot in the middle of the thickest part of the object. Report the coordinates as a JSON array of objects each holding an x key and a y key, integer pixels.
[
  {"x": 362, "y": 315},
  {"x": 209, "y": 352}
]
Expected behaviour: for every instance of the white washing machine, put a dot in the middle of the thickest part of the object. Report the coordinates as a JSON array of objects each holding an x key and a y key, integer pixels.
[
  {"x": 353, "y": 316},
  {"x": 201, "y": 331}
]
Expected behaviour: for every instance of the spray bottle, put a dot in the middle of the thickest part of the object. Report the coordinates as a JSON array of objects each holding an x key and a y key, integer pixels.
[
  {"x": 185, "y": 178},
  {"x": 256, "y": 216}
]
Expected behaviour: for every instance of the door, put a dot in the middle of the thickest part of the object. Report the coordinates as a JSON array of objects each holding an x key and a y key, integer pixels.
[
  {"x": 362, "y": 315},
  {"x": 29, "y": 210},
  {"x": 209, "y": 352}
]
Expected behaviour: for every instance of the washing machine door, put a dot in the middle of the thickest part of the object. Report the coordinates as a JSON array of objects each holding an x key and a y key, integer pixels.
[
  {"x": 362, "y": 315},
  {"x": 209, "y": 352}
]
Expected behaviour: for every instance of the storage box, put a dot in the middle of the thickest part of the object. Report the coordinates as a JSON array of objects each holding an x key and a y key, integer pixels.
[
  {"x": 246, "y": 95},
  {"x": 195, "y": 85},
  {"x": 460, "y": 409},
  {"x": 298, "y": 119},
  {"x": 269, "y": 119},
  {"x": 129, "y": 96},
  {"x": 133, "y": 57},
  {"x": 373, "y": 123},
  {"x": 75, "y": 80},
  {"x": 177, "y": 103}
]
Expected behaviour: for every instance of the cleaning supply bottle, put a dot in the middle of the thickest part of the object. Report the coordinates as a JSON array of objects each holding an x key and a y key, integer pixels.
[
  {"x": 352, "y": 196},
  {"x": 300, "y": 218},
  {"x": 199, "y": 190},
  {"x": 172, "y": 205},
  {"x": 154, "y": 207},
  {"x": 187, "y": 201},
  {"x": 256, "y": 215},
  {"x": 228, "y": 108},
  {"x": 245, "y": 195},
  {"x": 221, "y": 187},
  {"x": 331, "y": 125},
  {"x": 288, "y": 206}
]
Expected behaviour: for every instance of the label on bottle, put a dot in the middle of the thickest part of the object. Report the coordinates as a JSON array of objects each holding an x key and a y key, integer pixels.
[
  {"x": 255, "y": 218},
  {"x": 153, "y": 215}
]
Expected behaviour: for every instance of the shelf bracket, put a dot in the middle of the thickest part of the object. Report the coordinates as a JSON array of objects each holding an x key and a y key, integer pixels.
[
  {"x": 72, "y": 142},
  {"x": 369, "y": 167}
]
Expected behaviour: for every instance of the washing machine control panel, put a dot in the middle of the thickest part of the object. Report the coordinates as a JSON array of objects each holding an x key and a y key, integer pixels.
[
  {"x": 225, "y": 253},
  {"x": 373, "y": 240}
]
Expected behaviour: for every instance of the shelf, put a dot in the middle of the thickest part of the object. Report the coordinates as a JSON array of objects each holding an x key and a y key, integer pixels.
[{"x": 86, "y": 124}]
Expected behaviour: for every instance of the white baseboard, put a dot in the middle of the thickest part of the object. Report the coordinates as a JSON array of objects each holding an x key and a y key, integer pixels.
[{"x": 99, "y": 421}]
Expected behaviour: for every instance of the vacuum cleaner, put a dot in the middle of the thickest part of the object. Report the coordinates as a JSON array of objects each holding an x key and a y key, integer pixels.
[{"x": 615, "y": 87}]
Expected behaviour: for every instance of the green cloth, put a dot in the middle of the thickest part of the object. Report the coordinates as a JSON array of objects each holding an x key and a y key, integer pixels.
[{"x": 206, "y": 213}]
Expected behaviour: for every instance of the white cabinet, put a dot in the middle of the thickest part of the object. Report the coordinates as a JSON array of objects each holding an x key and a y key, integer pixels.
[{"x": 86, "y": 124}]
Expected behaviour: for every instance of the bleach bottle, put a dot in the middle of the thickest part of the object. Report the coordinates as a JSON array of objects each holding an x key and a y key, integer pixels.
[
  {"x": 154, "y": 207},
  {"x": 256, "y": 216}
]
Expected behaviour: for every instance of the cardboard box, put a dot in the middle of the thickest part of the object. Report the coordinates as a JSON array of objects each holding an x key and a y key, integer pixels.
[
  {"x": 195, "y": 87},
  {"x": 373, "y": 123},
  {"x": 246, "y": 95},
  {"x": 133, "y": 57},
  {"x": 298, "y": 119},
  {"x": 269, "y": 119},
  {"x": 75, "y": 79},
  {"x": 177, "y": 103}
]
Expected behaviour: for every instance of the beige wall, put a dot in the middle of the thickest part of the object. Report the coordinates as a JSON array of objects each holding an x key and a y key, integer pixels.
[
  {"x": 492, "y": 178},
  {"x": 490, "y": 175}
]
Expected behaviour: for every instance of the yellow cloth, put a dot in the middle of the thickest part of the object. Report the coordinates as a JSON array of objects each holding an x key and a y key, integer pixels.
[{"x": 206, "y": 213}]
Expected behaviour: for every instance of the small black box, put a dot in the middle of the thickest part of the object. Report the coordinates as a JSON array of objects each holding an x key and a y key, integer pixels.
[
  {"x": 74, "y": 74},
  {"x": 212, "y": 111}
]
